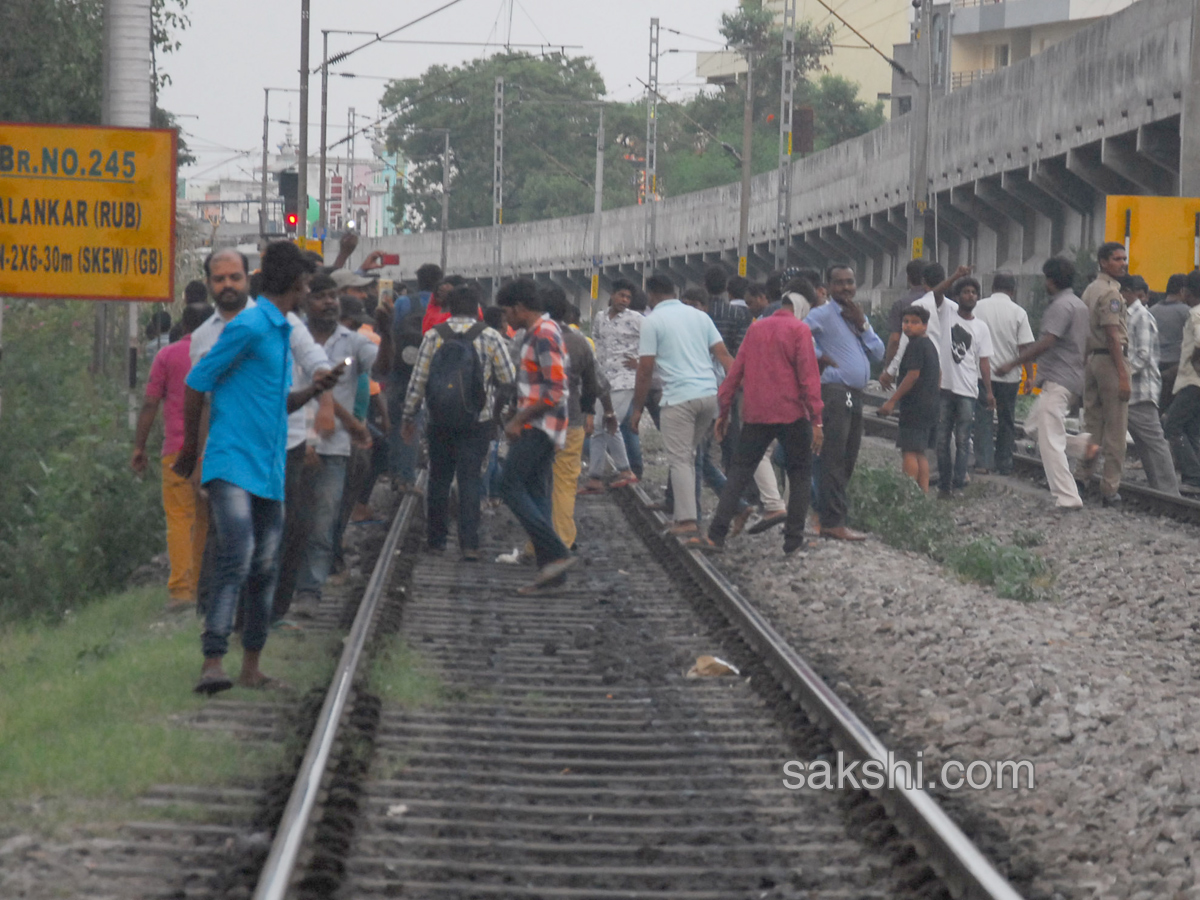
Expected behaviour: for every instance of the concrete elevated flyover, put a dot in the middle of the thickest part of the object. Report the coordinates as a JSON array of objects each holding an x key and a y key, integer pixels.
[{"x": 1021, "y": 163}]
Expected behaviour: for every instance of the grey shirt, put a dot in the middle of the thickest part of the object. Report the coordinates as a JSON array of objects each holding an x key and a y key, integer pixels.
[
  {"x": 1171, "y": 317},
  {"x": 343, "y": 344},
  {"x": 1067, "y": 319}
]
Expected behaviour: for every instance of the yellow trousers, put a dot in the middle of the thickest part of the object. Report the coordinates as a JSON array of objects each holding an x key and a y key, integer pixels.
[
  {"x": 568, "y": 462},
  {"x": 187, "y": 528}
]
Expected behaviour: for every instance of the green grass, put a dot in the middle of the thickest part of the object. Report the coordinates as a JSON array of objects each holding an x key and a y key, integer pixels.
[
  {"x": 91, "y": 710},
  {"x": 890, "y": 505},
  {"x": 401, "y": 676},
  {"x": 1014, "y": 572}
]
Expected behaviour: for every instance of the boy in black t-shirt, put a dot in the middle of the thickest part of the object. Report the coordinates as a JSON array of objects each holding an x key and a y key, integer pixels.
[{"x": 918, "y": 395}]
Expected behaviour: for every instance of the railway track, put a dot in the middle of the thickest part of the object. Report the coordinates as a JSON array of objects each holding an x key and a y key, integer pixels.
[
  {"x": 1136, "y": 496},
  {"x": 569, "y": 757}
]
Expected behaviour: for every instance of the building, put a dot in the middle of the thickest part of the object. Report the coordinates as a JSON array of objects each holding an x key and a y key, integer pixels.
[
  {"x": 882, "y": 22},
  {"x": 359, "y": 188},
  {"x": 988, "y": 35}
]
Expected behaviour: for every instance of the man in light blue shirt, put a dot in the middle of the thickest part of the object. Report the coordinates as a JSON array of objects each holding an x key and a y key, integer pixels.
[
  {"x": 846, "y": 344},
  {"x": 680, "y": 342},
  {"x": 249, "y": 374}
]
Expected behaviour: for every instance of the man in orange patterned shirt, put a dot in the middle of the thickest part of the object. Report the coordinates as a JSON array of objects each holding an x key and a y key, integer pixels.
[{"x": 538, "y": 429}]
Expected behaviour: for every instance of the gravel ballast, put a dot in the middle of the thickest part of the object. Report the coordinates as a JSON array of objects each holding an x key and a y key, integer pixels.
[{"x": 1096, "y": 687}]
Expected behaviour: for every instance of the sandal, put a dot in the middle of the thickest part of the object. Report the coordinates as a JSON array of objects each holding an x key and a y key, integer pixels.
[
  {"x": 589, "y": 491},
  {"x": 624, "y": 482},
  {"x": 681, "y": 530},
  {"x": 213, "y": 683}
]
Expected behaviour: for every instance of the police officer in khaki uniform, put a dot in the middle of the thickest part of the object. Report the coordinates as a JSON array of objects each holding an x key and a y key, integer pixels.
[{"x": 1106, "y": 373}]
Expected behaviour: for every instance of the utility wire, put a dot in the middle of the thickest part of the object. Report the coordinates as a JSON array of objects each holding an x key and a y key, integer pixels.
[
  {"x": 338, "y": 57},
  {"x": 725, "y": 144},
  {"x": 891, "y": 62}
]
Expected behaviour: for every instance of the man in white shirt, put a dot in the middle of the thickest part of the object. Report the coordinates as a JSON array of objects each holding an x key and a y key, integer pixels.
[
  {"x": 995, "y": 436},
  {"x": 940, "y": 307},
  {"x": 966, "y": 351}
]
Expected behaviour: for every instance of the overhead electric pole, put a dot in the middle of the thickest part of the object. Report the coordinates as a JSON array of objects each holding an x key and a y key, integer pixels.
[
  {"x": 445, "y": 196},
  {"x": 127, "y": 103},
  {"x": 783, "y": 229},
  {"x": 497, "y": 183},
  {"x": 597, "y": 215},
  {"x": 918, "y": 202},
  {"x": 302, "y": 151},
  {"x": 322, "y": 189},
  {"x": 747, "y": 152},
  {"x": 650, "y": 173}
]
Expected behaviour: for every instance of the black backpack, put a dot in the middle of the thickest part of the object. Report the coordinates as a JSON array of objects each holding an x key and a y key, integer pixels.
[{"x": 454, "y": 391}]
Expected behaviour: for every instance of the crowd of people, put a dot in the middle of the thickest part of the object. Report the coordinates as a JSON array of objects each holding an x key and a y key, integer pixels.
[{"x": 286, "y": 399}]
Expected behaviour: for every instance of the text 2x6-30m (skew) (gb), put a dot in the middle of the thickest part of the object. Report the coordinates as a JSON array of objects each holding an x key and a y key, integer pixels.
[{"x": 86, "y": 260}]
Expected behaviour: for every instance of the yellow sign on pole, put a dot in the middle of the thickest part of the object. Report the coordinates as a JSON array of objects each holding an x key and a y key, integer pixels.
[
  {"x": 742, "y": 266},
  {"x": 1161, "y": 233},
  {"x": 595, "y": 287},
  {"x": 314, "y": 245},
  {"x": 87, "y": 213},
  {"x": 918, "y": 248}
]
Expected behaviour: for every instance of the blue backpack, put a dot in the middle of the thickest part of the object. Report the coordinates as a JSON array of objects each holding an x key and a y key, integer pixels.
[{"x": 454, "y": 390}]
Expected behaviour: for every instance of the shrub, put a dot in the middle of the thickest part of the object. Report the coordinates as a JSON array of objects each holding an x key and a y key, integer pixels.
[
  {"x": 889, "y": 504},
  {"x": 74, "y": 521}
]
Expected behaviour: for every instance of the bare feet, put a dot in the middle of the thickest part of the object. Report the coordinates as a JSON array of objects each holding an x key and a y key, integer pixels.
[{"x": 362, "y": 513}]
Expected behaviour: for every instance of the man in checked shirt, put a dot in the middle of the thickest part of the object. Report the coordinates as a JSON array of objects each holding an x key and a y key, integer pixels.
[
  {"x": 1145, "y": 381},
  {"x": 538, "y": 429},
  {"x": 457, "y": 451}
]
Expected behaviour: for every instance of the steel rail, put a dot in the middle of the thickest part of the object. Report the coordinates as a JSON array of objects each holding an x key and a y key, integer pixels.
[
  {"x": 965, "y": 870},
  {"x": 1136, "y": 495},
  {"x": 276, "y": 876}
]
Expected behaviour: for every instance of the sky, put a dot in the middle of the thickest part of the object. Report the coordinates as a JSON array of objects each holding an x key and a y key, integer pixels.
[{"x": 235, "y": 48}]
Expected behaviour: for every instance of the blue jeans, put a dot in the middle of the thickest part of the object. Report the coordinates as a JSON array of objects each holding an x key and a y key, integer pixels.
[
  {"x": 248, "y": 531},
  {"x": 525, "y": 487},
  {"x": 633, "y": 445},
  {"x": 995, "y": 441},
  {"x": 402, "y": 457},
  {"x": 456, "y": 454},
  {"x": 329, "y": 482},
  {"x": 955, "y": 420},
  {"x": 491, "y": 480}
]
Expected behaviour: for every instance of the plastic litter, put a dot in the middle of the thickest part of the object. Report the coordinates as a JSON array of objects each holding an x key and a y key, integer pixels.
[{"x": 711, "y": 667}]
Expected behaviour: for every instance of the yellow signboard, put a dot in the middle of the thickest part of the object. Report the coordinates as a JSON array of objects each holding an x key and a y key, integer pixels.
[
  {"x": 742, "y": 266},
  {"x": 1163, "y": 235},
  {"x": 87, "y": 213},
  {"x": 595, "y": 287},
  {"x": 918, "y": 248}
]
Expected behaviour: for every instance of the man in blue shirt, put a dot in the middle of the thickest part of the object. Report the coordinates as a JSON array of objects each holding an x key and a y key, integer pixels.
[
  {"x": 681, "y": 342},
  {"x": 846, "y": 344},
  {"x": 249, "y": 374}
]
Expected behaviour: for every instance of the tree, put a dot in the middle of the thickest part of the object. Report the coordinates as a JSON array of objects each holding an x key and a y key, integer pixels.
[
  {"x": 550, "y": 121},
  {"x": 838, "y": 112},
  {"x": 52, "y": 60},
  {"x": 549, "y": 140}
]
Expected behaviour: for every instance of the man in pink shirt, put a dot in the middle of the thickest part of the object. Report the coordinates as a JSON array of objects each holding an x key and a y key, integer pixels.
[
  {"x": 187, "y": 519},
  {"x": 776, "y": 368}
]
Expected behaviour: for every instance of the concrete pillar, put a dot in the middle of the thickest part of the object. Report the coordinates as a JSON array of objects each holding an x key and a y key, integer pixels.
[{"x": 1189, "y": 125}]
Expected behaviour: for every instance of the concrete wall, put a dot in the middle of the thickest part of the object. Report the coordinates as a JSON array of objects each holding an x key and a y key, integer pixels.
[{"x": 1021, "y": 163}]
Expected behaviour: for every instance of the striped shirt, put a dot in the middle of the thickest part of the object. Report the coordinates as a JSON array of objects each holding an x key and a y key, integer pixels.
[
  {"x": 1145, "y": 380},
  {"x": 493, "y": 356},
  {"x": 542, "y": 379}
]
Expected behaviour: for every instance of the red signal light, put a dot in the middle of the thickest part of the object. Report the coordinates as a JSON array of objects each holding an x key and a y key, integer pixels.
[{"x": 292, "y": 219}]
